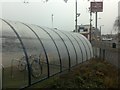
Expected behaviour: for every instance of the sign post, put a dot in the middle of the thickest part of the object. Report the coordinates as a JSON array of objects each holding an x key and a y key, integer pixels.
[{"x": 96, "y": 7}]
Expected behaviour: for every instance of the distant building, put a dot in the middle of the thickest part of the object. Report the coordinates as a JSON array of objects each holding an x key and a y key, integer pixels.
[{"x": 85, "y": 30}]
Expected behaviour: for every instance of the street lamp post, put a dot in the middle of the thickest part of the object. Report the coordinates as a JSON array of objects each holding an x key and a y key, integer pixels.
[
  {"x": 101, "y": 31},
  {"x": 52, "y": 20},
  {"x": 100, "y": 38},
  {"x": 76, "y": 15},
  {"x": 90, "y": 25}
]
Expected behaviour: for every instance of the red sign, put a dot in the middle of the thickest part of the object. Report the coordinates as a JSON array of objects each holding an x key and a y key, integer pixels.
[{"x": 96, "y": 6}]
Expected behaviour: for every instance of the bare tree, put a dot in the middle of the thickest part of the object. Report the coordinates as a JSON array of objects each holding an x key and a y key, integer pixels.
[
  {"x": 117, "y": 24},
  {"x": 117, "y": 27}
]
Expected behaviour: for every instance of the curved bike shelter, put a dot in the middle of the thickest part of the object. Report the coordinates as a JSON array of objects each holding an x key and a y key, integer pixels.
[{"x": 32, "y": 53}]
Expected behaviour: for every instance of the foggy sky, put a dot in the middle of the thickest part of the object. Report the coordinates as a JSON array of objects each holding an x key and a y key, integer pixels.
[{"x": 40, "y": 13}]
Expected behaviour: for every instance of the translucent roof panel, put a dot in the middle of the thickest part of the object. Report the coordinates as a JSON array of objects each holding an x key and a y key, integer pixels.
[
  {"x": 31, "y": 53},
  {"x": 69, "y": 47},
  {"x": 63, "y": 54},
  {"x": 89, "y": 46},
  {"x": 82, "y": 46},
  {"x": 12, "y": 56},
  {"x": 50, "y": 48}
]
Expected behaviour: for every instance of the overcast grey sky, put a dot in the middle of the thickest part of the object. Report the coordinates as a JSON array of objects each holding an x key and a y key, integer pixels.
[{"x": 38, "y": 12}]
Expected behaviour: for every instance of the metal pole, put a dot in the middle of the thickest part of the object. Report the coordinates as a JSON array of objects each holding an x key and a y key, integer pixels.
[
  {"x": 96, "y": 29},
  {"x": 76, "y": 16},
  {"x": 96, "y": 21},
  {"x": 52, "y": 20},
  {"x": 90, "y": 24},
  {"x": 100, "y": 32}
]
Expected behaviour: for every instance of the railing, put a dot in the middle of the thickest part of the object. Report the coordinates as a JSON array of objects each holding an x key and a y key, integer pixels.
[
  {"x": 107, "y": 51},
  {"x": 106, "y": 45}
]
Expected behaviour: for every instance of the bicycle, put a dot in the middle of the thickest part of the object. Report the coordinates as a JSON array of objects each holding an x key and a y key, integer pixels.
[{"x": 35, "y": 65}]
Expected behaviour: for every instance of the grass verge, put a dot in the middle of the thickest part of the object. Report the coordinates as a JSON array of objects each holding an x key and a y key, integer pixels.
[{"x": 94, "y": 73}]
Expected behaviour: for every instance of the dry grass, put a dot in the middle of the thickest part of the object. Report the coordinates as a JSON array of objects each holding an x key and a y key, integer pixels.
[{"x": 91, "y": 74}]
